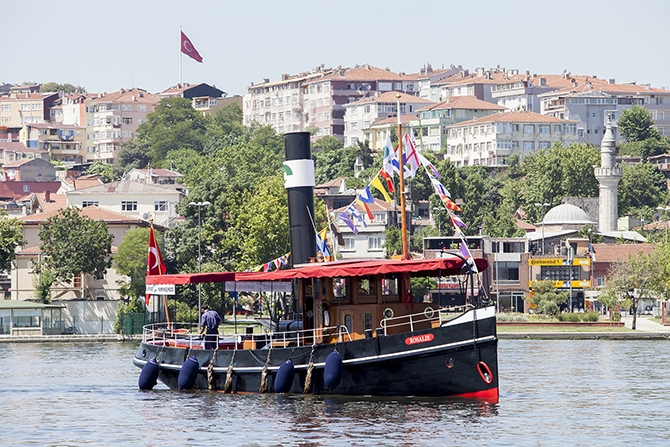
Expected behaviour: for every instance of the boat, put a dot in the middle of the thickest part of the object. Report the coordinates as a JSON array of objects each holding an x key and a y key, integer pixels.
[{"x": 354, "y": 329}]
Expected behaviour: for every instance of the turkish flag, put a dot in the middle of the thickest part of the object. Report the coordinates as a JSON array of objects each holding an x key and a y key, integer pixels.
[
  {"x": 155, "y": 264},
  {"x": 188, "y": 49}
]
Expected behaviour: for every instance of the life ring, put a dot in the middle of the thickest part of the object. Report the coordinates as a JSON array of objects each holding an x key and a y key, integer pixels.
[
  {"x": 429, "y": 312},
  {"x": 485, "y": 372},
  {"x": 388, "y": 313}
]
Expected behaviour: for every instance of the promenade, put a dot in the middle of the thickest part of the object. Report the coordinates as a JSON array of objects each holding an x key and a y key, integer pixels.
[{"x": 646, "y": 329}]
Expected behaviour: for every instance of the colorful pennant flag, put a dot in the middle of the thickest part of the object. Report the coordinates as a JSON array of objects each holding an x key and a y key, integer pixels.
[
  {"x": 365, "y": 207},
  {"x": 378, "y": 184},
  {"x": 429, "y": 165},
  {"x": 439, "y": 188},
  {"x": 465, "y": 252},
  {"x": 450, "y": 204},
  {"x": 389, "y": 157},
  {"x": 366, "y": 196},
  {"x": 344, "y": 217},
  {"x": 351, "y": 209},
  {"x": 389, "y": 179},
  {"x": 321, "y": 242},
  {"x": 455, "y": 220},
  {"x": 412, "y": 156}
]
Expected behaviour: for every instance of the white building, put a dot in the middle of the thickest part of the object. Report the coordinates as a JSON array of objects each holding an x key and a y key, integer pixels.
[
  {"x": 368, "y": 243},
  {"x": 489, "y": 140},
  {"x": 133, "y": 199},
  {"x": 360, "y": 115}
]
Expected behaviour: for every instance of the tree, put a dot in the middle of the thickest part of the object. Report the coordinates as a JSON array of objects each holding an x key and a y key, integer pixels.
[
  {"x": 134, "y": 154},
  {"x": 633, "y": 279},
  {"x": 105, "y": 170},
  {"x": 546, "y": 298},
  {"x": 53, "y": 87},
  {"x": 73, "y": 244},
  {"x": 637, "y": 124},
  {"x": 174, "y": 124},
  {"x": 11, "y": 237},
  {"x": 642, "y": 185},
  {"x": 131, "y": 260}
]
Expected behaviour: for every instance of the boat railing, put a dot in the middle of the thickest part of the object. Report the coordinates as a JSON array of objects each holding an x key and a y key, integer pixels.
[
  {"x": 408, "y": 322},
  {"x": 186, "y": 335}
]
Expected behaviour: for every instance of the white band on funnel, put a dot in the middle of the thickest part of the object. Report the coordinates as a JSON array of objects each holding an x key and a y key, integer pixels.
[{"x": 298, "y": 173}]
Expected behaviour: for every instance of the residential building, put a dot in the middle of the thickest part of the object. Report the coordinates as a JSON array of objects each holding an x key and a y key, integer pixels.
[
  {"x": 490, "y": 140},
  {"x": 316, "y": 100},
  {"x": 205, "y": 98},
  {"x": 130, "y": 198},
  {"x": 428, "y": 77},
  {"x": 479, "y": 84},
  {"x": 360, "y": 115},
  {"x": 431, "y": 127},
  {"x": 368, "y": 242},
  {"x": 16, "y": 191},
  {"x": 74, "y": 108},
  {"x": 29, "y": 170},
  {"x": 115, "y": 119},
  {"x": 383, "y": 127},
  {"x": 13, "y": 151},
  {"x": 155, "y": 176},
  {"x": 65, "y": 143},
  {"x": 19, "y": 109}
]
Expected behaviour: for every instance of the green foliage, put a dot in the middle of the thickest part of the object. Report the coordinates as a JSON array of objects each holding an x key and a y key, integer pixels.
[
  {"x": 131, "y": 260},
  {"x": 570, "y": 317},
  {"x": 549, "y": 176},
  {"x": 421, "y": 286},
  {"x": 11, "y": 237},
  {"x": 642, "y": 185},
  {"x": 590, "y": 317},
  {"x": 645, "y": 148},
  {"x": 42, "y": 284},
  {"x": 53, "y": 87},
  {"x": 134, "y": 154},
  {"x": 549, "y": 308},
  {"x": 105, "y": 170},
  {"x": 73, "y": 244},
  {"x": 393, "y": 242},
  {"x": 637, "y": 124}
]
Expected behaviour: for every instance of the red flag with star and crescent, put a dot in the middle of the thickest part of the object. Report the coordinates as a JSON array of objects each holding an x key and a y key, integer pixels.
[
  {"x": 188, "y": 49},
  {"x": 155, "y": 264}
]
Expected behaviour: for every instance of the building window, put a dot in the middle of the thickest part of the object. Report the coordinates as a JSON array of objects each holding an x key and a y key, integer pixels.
[
  {"x": 545, "y": 128},
  {"x": 26, "y": 188},
  {"x": 507, "y": 272},
  {"x": 544, "y": 145},
  {"x": 86, "y": 203},
  {"x": 348, "y": 244},
  {"x": 529, "y": 128},
  {"x": 600, "y": 281},
  {"x": 374, "y": 243},
  {"x": 128, "y": 120},
  {"x": 161, "y": 205},
  {"x": 528, "y": 145},
  {"x": 128, "y": 206}
]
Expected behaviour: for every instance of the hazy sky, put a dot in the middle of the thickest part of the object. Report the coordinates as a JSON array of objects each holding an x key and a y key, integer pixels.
[{"x": 107, "y": 45}]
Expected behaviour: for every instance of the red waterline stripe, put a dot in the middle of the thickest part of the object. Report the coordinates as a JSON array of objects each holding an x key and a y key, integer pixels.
[{"x": 490, "y": 395}]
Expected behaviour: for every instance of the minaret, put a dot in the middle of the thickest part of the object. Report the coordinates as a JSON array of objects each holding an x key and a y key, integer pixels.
[{"x": 608, "y": 176}]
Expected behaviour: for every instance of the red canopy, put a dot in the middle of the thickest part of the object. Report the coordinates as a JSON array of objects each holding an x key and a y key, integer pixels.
[{"x": 423, "y": 267}]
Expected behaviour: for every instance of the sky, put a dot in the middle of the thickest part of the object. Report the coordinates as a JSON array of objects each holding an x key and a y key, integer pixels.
[{"x": 104, "y": 46}]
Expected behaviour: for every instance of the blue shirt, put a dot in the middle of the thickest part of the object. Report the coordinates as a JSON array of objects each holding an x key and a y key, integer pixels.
[{"x": 211, "y": 320}]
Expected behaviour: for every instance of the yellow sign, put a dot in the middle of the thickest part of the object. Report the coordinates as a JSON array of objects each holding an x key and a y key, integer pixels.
[
  {"x": 576, "y": 284},
  {"x": 558, "y": 261}
]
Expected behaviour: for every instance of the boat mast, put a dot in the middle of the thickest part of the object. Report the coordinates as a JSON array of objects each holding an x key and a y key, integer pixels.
[{"x": 401, "y": 173}]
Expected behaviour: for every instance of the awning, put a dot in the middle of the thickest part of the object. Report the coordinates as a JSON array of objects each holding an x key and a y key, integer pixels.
[{"x": 447, "y": 266}]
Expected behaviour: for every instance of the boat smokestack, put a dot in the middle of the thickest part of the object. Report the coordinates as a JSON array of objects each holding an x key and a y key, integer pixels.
[{"x": 299, "y": 184}]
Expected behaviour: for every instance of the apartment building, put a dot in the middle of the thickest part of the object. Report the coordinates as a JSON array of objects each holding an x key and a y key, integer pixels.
[
  {"x": 115, "y": 119},
  {"x": 479, "y": 84},
  {"x": 13, "y": 151},
  {"x": 431, "y": 126},
  {"x": 19, "y": 109},
  {"x": 360, "y": 115},
  {"x": 591, "y": 103},
  {"x": 204, "y": 98},
  {"x": 316, "y": 100},
  {"x": 489, "y": 140},
  {"x": 64, "y": 143}
]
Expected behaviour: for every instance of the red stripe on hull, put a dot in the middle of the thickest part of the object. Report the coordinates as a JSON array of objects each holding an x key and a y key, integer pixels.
[{"x": 490, "y": 396}]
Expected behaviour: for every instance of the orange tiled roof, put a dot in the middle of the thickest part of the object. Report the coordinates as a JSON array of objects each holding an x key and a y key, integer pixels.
[
  {"x": 619, "y": 252},
  {"x": 130, "y": 95},
  {"x": 404, "y": 119},
  {"x": 83, "y": 182},
  {"x": 390, "y": 97},
  {"x": 463, "y": 102},
  {"x": 92, "y": 212},
  {"x": 513, "y": 117},
  {"x": 362, "y": 73}
]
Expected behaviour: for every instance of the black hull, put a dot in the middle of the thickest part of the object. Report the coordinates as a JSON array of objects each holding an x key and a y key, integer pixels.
[{"x": 456, "y": 359}]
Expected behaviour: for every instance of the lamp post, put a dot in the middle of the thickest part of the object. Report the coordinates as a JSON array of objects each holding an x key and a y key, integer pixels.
[
  {"x": 665, "y": 209},
  {"x": 543, "y": 205},
  {"x": 199, "y": 205},
  {"x": 439, "y": 226}
]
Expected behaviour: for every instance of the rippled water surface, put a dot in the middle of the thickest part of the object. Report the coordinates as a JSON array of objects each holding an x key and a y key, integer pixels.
[{"x": 576, "y": 393}]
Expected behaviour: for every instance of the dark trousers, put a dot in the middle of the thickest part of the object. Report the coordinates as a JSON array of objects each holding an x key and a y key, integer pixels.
[{"x": 211, "y": 340}]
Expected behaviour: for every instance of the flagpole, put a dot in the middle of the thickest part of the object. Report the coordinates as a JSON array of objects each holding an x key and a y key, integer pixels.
[
  {"x": 180, "y": 53},
  {"x": 403, "y": 217}
]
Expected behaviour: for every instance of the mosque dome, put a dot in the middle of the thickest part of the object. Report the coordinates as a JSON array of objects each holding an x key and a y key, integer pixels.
[{"x": 566, "y": 214}]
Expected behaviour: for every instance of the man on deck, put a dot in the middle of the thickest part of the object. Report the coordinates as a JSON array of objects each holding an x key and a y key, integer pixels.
[{"x": 210, "y": 322}]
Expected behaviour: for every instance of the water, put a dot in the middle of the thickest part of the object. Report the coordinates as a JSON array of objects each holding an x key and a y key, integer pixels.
[{"x": 573, "y": 393}]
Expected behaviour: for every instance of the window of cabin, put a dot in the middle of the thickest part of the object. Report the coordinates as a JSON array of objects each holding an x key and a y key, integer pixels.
[
  {"x": 389, "y": 285},
  {"x": 339, "y": 288},
  {"x": 347, "y": 322},
  {"x": 367, "y": 320}
]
